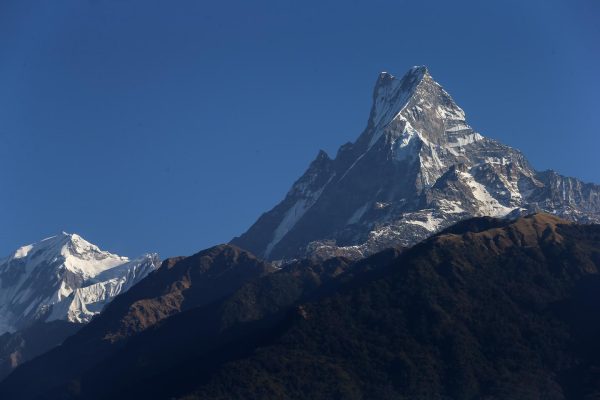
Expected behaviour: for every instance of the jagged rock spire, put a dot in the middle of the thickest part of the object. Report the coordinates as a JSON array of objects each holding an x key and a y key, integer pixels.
[{"x": 417, "y": 167}]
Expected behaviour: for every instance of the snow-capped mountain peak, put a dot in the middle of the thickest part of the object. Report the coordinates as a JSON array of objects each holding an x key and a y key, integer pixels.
[
  {"x": 391, "y": 95},
  {"x": 416, "y": 168},
  {"x": 64, "y": 277},
  {"x": 80, "y": 256}
]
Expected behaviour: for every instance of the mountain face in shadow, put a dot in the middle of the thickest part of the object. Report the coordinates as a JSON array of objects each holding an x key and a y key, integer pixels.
[
  {"x": 486, "y": 309},
  {"x": 178, "y": 285},
  {"x": 24, "y": 345}
]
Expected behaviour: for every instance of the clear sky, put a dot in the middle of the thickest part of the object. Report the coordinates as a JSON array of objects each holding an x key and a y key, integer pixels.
[{"x": 170, "y": 126}]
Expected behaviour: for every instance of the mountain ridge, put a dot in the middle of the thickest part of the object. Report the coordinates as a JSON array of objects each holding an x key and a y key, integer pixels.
[
  {"x": 488, "y": 308},
  {"x": 417, "y": 168},
  {"x": 177, "y": 286}
]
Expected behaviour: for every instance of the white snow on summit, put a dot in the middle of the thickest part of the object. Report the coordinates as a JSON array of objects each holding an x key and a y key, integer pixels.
[
  {"x": 417, "y": 167},
  {"x": 64, "y": 277}
]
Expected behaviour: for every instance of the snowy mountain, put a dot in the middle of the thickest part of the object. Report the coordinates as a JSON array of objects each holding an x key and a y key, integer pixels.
[
  {"x": 417, "y": 168},
  {"x": 64, "y": 277}
]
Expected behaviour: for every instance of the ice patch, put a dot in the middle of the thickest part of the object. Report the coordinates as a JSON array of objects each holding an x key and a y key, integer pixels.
[{"x": 488, "y": 205}]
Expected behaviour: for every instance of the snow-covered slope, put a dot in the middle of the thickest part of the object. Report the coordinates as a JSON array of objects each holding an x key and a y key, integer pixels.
[
  {"x": 417, "y": 168},
  {"x": 63, "y": 277}
]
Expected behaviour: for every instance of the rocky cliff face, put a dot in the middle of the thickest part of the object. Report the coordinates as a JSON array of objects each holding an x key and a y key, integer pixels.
[{"x": 417, "y": 168}]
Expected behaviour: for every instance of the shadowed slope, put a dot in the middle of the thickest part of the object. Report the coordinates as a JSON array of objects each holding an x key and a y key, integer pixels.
[
  {"x": 179, "y": 284},
  {"x": 487, "y": 309}
]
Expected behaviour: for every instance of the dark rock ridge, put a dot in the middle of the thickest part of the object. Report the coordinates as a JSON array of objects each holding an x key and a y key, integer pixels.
[
  {"x": 178, "y": 285},
  {"x": 417, "y": 168},
  {"x": 490, "y": 308}
]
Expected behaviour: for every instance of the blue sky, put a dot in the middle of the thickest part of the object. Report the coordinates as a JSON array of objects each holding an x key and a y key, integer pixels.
[{"x": 171, "y": 126}]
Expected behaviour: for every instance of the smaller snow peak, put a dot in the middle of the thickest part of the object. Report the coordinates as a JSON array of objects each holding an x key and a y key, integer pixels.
[{"x": 64, "y": 277}]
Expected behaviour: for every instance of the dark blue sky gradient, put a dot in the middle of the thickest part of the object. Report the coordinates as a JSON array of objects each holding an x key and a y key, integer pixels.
[{"x": 171, "y": 126}]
